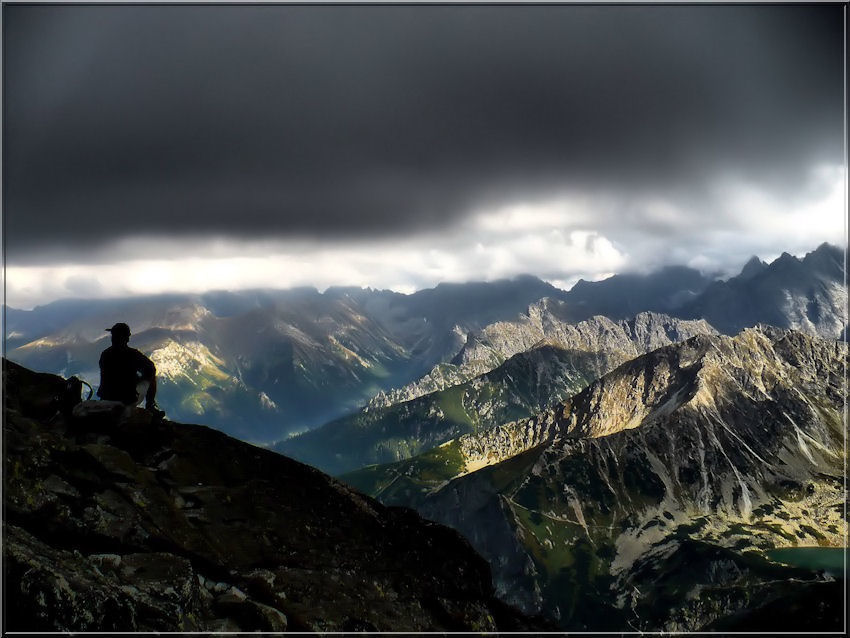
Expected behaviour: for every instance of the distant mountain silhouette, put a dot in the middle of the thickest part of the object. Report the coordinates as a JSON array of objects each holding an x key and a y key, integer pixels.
[
  {"x": 804, "y": 294},
  {"x": 752, "y": 268},
  {"x": 626, "y": 295}
]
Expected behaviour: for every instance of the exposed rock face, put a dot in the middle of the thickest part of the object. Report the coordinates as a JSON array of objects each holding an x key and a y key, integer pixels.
[
  {"x": 170, "y": 527},
  {"x": 506, "y": 441},
  {"x": 548, "y": 322},
  {"x": 529, "y": 365},
  {"x": 662, "y": 484}
]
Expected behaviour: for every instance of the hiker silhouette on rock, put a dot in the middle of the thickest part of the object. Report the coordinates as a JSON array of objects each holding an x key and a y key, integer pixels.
[{"x": 126, "y": 375}]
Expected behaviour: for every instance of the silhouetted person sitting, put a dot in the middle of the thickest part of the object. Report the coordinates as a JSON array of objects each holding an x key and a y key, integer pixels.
[{"x": 126, "y": 375}]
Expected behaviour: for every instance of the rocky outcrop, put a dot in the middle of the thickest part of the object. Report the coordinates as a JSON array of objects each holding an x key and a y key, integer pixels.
[
  {"x": 506, "y": 441},
  {"x": 666, "y": 481},
  {"x": 143, "y": 526},
  {"x": 548, "y": 322}
]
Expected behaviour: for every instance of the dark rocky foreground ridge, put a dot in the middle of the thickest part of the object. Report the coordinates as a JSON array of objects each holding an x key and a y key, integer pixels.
[{"x": 172, "y": 527}]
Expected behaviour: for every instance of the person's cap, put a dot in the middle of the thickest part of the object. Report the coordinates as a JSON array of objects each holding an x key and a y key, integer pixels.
[{"x": 120, "y": 329}]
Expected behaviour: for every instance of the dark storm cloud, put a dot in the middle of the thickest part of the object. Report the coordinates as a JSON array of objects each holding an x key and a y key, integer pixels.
[{"x": 319, "y": 121}]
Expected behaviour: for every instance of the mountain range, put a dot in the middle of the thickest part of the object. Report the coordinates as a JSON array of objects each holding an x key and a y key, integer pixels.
[
  {"x": 261, "y": 364},
  {"x": 808, "y": 294},
  {"x": 264, "y": 365},
  {"x": 506, "y": 371},
  {"x": 555, "y": 356},
  {"x": 652, "y": 499}
]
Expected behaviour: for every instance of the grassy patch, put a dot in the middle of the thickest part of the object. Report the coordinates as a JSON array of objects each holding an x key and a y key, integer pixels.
[
  {"x": 503, "y": 476},
  {"x": 407, "y": 482},
  {"x": 450, "y": 401}
]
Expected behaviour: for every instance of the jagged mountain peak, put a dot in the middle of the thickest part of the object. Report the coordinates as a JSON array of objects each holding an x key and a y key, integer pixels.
[
  {"x": 806, "y": 294},
  {"x": 827, "y": 259},
  {"x": 787, "y": 265},
  {"x": 753, "y": 267}
]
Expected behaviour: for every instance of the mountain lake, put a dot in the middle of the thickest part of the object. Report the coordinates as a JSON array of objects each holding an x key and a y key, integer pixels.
[{"x": 829, "y": 559}]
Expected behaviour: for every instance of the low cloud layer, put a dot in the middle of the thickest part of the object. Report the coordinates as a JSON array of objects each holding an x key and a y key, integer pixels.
[
  {"x": 395, "y": 145},
  {"x": 560, "y": 239}
]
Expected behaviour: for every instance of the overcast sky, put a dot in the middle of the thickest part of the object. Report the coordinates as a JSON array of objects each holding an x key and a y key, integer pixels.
[{"x": 152, "y": 148}]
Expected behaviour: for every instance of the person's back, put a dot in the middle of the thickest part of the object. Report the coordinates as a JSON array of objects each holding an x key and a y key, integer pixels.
[
  {"x": 126, "y": 375},
  {"x": 121, "y": 370}
]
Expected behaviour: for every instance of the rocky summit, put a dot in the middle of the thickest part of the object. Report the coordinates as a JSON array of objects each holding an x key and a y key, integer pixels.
[
  {"x": 143, "y": 526},
  {"x": 656, "y": 498}
]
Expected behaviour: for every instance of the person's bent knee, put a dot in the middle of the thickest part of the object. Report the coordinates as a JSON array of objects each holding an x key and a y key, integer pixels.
[{"x": 141, "y": 391}]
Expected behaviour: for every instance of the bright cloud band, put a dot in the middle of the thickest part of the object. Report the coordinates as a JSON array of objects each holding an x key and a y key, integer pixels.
[{"x": 560, "y": 238}]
